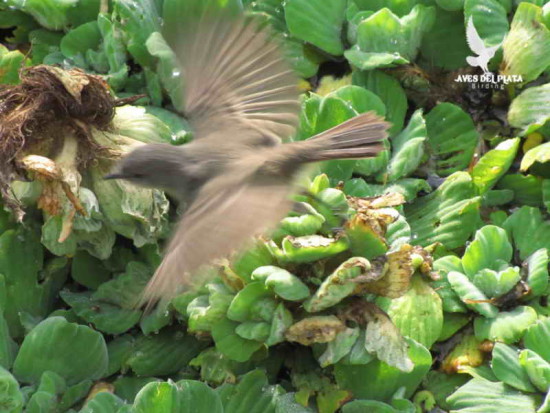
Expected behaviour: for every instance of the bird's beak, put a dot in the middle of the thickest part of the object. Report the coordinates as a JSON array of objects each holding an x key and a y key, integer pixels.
[{"x": 114, "y": 175}]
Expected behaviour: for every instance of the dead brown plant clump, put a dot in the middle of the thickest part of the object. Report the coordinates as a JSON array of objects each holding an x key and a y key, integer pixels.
[{"x": 38, "y": 114}]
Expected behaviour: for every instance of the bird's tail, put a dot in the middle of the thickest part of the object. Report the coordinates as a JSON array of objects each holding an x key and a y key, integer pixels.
[{"x": 359, "y": 137}]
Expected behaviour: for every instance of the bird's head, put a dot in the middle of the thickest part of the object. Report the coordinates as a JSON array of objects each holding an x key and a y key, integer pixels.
[{"x": 153, "y": 166}]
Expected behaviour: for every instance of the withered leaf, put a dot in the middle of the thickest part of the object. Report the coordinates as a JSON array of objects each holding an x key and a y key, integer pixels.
[
  {"x": 319, "y": 329},
  {"x": 396, "y": 275}
]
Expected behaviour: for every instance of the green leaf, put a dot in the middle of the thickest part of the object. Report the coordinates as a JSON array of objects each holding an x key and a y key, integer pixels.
[
  {"x": 452, "y": 323},
  {"x": 489, "y": 249},
  {"x": 283, "y": 283},
  {"x": 8, "y": 347},
  {"x": 527, "y": 189},
  {"x": 483, "y": 395},
  {"x": 536, "y": 368},
  {"x": 358, "y": 355},
  {"x": 21, "y": 258},
  {"x": 19, "y": 23},
  {"x": 41, "y": 401},
  {"x": 302, "y": 224},
  {"x": 10, "y": 64},
  {"x": 489, "y": 18},
  {"x": 531, "y": 109},
  {"x": 538, "y": 155},
  {"x": 254, "y": 330},
  {"x": 164, "y": 353},
  {"x": 44, "y": 43},
  {"x": 119, "y": 350},
  {"x": 537, "y": 272},
  {"x": 231, "y": 344},
  {"x": 198, "y": 397},
  {"x": 114, "y": 51},
  {"x": 318, "y": 22},
  {"x": 506, "y": 366},
  {"x": 359, "y": 406},
  {"x": 88, "y": 271},
  {"x": 185, "y": 396},
  {"x": 311, "y": 248},
  {"x": 360, "y": 99},
  {"x": 125, "y": 289},
  {"x": 408, "y": 148},
  {"x": 528, "y": 231},
  {"x": 73, "y": 351},
  {"x": 452, "y": 137},
  {"x": 241, "y": 306},
  {"x": 546, "y": 193},
  {"x": 282, "y": 320},
  {"x": 383, "y": 379},
  {"x": 444, "y": 45},
  {"x": 252, "y": 394},
  {"x": 205, "y": 310},
  {"x": 536, "y": 338},
  {"x": 85, "y": 11},
  {"x": 247, "y": 261},
  {"x": 441, "y": 385},
  {"x": 444, "y": 265},
  {"x": 106, "y": 317},
  {"x": 166, "y": 68},
  {"x": 507, "y": 327},
  {"x": 472, "y": 296},
  {"x": 388, "y": 89},
  {"x": 138, "y": 21},
  {"x": 448, "y": 215},
  {"x": 11, "y": 398},
  {"x": 527, "y": 45},
  {"x": 497, "y": 197},
  {"x": 495, "y": 284},
  {"x": 103, "y": 402},
  {"x": 494, "y": 164},
  {"x": 418, "y": 314},
  {"x": 385, "y": 40},
  {"x": 80, "y": 39},
  {"x": 303, "y": 59},
  {"x": 127, "y": 387},
  {"x": 365, "y": 238},
  {"x": 52, "y": 14},
  {"x": 340, "y": 346},
  {"x": 161, "y": 396},
  {"x": 337, "y": 285}
]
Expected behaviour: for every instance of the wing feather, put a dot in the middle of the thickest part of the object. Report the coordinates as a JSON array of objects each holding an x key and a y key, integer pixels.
[
  {"x": 235, "y": 77},
  {"x": 224, "y": 216}
]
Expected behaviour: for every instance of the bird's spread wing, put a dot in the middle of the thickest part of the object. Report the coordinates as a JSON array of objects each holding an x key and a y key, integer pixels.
[
  {"x": 476, "y": 43},
  {"x": 235, "y": 76},
  {"x": 226, "y": 214}
]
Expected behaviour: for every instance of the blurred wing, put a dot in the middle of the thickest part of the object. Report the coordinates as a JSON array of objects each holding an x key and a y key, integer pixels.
[
  {"x": 223, "y": 217},
  {"x": 476, "y": 43},
  {"x": 235, "y": 78}
]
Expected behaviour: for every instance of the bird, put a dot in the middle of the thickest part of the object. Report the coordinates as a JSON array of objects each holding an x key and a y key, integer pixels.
[
  {"x": 236, "y": 176},
  {"x": 477, "y": 45}
]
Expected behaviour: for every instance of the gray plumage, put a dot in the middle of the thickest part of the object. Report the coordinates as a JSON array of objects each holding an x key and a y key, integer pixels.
[{"x": 242, "y": 100}]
